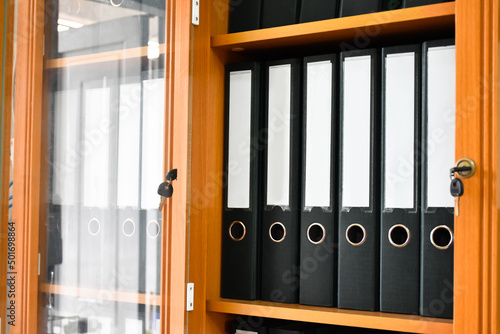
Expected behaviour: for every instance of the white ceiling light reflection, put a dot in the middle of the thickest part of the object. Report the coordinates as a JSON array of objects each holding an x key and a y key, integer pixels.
[{"x": 63, "y": 25}]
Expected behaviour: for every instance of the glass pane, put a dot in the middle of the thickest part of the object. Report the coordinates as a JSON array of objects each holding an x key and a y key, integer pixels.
[{"x": 104, "y": 107}]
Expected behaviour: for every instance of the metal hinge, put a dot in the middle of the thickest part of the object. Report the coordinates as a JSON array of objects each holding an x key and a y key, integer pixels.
[
  {"x": 195, "y": 17},
  {"x": 190, "y": 297}
]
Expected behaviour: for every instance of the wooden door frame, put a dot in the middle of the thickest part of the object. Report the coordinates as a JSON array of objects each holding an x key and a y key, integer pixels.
[
  {"x": 28, "y": 159},
  {"x": 7, "y": 14},
  {"x": 476, "y": 230}
]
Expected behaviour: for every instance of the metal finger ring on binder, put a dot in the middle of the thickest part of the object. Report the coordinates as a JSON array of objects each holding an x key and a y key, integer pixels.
[{"x": 237, "y": 230}]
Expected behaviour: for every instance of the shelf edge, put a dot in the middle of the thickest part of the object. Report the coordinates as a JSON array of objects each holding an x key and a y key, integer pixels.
[
  {"x": 320, "y": 31},
  {"x": 333, "y": 316}
]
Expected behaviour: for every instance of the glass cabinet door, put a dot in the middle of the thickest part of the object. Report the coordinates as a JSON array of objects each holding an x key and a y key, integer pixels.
[{"x": 102, "y": 162}]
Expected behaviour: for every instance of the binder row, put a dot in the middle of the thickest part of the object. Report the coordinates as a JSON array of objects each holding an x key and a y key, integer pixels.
[
  {"x": 258, "y": 325},
  {"x": 247, "y": 15},
  {"x": 337, "y": 189}
]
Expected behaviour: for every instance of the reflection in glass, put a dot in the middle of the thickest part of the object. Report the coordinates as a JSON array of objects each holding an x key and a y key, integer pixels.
[{"x": 105, "y": 119}]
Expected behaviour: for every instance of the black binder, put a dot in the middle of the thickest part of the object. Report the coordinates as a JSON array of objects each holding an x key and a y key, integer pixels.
[
  {"x": 318, "y": 221},
  {"x": 97, "y": 261},
  {"x": 151, "y": 228},
  {"x": 240, "y": 247},
  {"x": 130, "y": 262},
  {"x": 436, "y": 295},
  {"x": 393, "y": 4},
  {"x": 415, "y": 3},
  {"x": 359, "y": 221},
  {"x": 97, "y": 243},
  {"x": 244, "y": 15},
  {"x": 128, "y": 246},
  {"x": 251, "y": 325},
  {"x": 358, "y": 7},
  {"x": 281, "y": 215},
  {"x": 300, "y": 328},
  {"x": 317, "y": 10},
  {"x": 400, "y": 218},
  {"x": 279, "y": 13}
]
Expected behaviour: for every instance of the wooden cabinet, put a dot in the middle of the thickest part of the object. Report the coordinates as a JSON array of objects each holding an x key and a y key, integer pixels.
[
  {"x": 194, "y": 60},
  {"x": 475, "y": 27}
]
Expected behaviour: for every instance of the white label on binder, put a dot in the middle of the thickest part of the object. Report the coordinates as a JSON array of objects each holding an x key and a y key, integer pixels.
[
  {"x": 96, "y": 147},
  {"x": 66, "y": 147},
  {"x": 399, "y": 130},
  {"x": 440, "y": 124},
  {"x": 239, "y": 146},
  {"x": 278, "y": 155},
  {"x": 153, "y": 102},
  {"x": 318, "y": 134},
  {"x": 128, "y": 145},
  {"x": 356, "y": 132},
  {"x": 241, "y": 331}
]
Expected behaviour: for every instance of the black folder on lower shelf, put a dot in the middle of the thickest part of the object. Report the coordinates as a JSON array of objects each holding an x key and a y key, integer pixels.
[
  {"x": 400, "y": 218},
  {"x": 358, "y": 7},
  {"x": 240, "y": 247},
  {"x": 300, "y": 328},
  {"x": 253, "y": 325},
  {"x": 280, "y": 192},
  {"x": 317, "y": 10},
  {"x": 277, "y": 13},
  {"x": 436, "y": 294},
  {"x": 318, "y": 220},
  {"x": 359, "y": 221},
  {"x": 415, "y": 3},
  {"x": 244, "y": 15}
]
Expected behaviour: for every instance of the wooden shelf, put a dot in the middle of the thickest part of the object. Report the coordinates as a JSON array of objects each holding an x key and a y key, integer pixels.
[
  {"x": 416, "y": 20},
  {"x": 100, "y": 57},
  {"x": 98, "y": 294},
  {"x": 333, "y": 316}
]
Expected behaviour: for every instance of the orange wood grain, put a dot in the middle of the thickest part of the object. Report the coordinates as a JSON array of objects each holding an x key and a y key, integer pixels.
[
  {"x": 206, "y": 177},
  {"x": 174, "y": 247},
  {"x": 7, "y": 12},
  {"x": 333, "y": 316},
  {"x": 476, "y": 230},
  {"x": 403, "y": 21}
]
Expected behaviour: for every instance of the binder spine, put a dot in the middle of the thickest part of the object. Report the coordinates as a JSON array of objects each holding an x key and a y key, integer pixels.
[
  {"x": 319, "y": 214},
  {"x": 358, "y": 7},
  {"x": 438, "y": 138},
  {"x": 359, "y": 188},
  {"x": 400, "y": 218},
  {"x": 415, "y": 3},
  {"x": 316, "y": 10},
  {"x": 240, "y": 269},
  {"x": 281, "y": 172},
  {"x": 244, "y": 15},
  {"x": 277, "y": 13}
]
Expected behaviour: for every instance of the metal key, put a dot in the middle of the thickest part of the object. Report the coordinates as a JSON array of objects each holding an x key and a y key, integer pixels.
[
  {"x": 457, "y": 190},
  {"x": 165, "y": 190}
]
